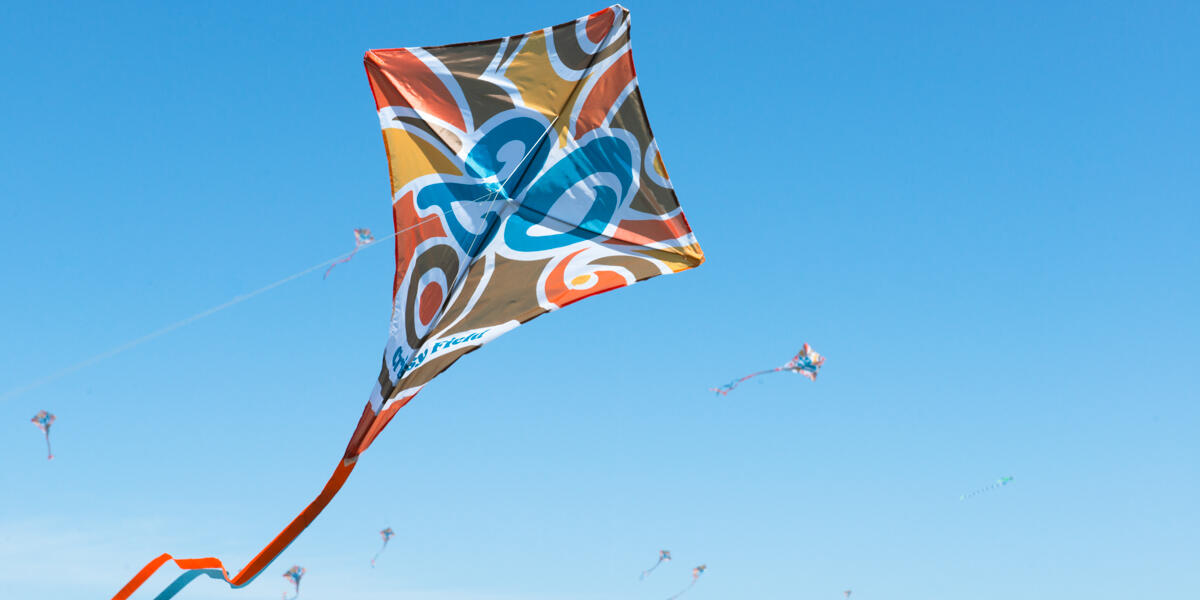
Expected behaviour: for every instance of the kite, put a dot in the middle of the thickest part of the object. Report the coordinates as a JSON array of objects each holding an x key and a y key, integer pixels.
[
  {"x": 524, "y": 178},
  {"x": 663, "y": 556},
  {"x": 386, "y": 534},
  {"x": 362, "y": 237},
  {"x": 847, "y": 593},
  {"x": 806, "y": 362},
  {"x": 696, "y": 573},
  {"x": 294, "y": 574},
  {"x": 1003, "y": 481},
  {"x": 44, "y": 420}
]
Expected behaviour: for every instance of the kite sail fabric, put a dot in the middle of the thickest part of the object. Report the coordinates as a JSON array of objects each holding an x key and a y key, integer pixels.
[
  {"x": 807, "y": 362},
  {"x": 44, "y": 420},
  {"x": 524, "y": 177}
]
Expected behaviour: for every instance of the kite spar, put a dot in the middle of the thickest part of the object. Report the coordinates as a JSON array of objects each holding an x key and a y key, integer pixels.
[{"x": 525, "y": 178}]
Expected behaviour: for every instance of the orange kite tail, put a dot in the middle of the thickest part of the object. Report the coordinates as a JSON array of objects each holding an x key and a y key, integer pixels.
[{"x": 264, "y": 557}]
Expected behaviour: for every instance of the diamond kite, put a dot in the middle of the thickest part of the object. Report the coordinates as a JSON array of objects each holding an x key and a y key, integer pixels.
[
  {"x": 44, "y": 420},
  {"x": 663, "y": 556},
  {"x": 806, "y": 362},
  {"x": 386, "y": 534},
  {"x": 525, "y": 177}
]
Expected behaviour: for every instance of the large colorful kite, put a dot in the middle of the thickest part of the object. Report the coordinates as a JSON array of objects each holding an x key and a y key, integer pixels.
[
  {"x": 44, "y": 420},
  {"x": 806, "y": 363},
  {"x": 525, "y": 177}
]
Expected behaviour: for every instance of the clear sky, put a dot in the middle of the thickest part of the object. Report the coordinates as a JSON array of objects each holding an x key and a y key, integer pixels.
[{"x": 984, "y": 215}]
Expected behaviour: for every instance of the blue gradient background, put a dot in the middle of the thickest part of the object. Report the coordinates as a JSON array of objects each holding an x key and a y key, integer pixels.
[{"x": 985, "y": 216}]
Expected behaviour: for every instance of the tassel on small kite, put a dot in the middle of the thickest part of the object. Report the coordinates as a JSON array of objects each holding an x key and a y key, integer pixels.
[
  {"x": 43, "y": 420},
  {"x": 293, "y": 575},
  {"x": 386, "y": 534},
  {"x": 1003, "y": 481},
  {"x": 696, "y": 573},
  {"x": 663, "y": 556},
  {"x": 806, "y": 362},
  {"x": 362, "y": 237}
]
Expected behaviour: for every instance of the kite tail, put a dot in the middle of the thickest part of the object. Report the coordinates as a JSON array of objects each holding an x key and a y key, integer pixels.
[
  {"x": 49, "y": 452},
  {"x": 373, "y": 558},
  {"x": 650, "y": 570},
  {"x": 338, "y": 262},
  {"x": 683, "y": 591},
  {"x": 725, "y": 389},
  {"x": 264, "y": 557}
]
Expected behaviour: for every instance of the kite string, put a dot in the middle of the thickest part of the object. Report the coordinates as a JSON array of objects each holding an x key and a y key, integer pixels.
[
  {"x": 87, "y": 362},
  {"x": 495, "y": 195}
]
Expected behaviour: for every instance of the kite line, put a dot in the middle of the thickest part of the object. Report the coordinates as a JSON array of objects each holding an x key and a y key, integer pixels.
[{"x": 87, "y": 362}]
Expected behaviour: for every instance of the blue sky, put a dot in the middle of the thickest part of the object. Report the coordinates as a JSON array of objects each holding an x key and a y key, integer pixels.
[{"x": 985, "y": 216}]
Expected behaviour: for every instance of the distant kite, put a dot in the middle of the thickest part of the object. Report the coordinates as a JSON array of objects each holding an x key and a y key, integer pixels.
[
  {"x": 293, "y": 575},
  {"x": 386, "y": 534},
  {"x": 1003, "y": 481},
  {"x": 362, "y": 237},
  {"x": 663, "y": 556},
  {"x": 847, "y": 593},
  {"x": 806, "y": 362},
  {"x": 43, "y": 420},
  {"x": 696, "y": 573}
]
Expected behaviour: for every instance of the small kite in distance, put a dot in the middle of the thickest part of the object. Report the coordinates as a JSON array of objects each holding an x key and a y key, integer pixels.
[
  {"x": 294, "y": 574},
  {"x": 806, "y": 362},
  {"x": 362, "y": 237},
  {"x": 386, "y": 534},
  {"x": 696, "y": 573},
  {"x": 43, "y": 420},
  {"x": 663, "y": 556},
  {"x": 847, "y": 593},
  {"x": 1003, "y": 481}
]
